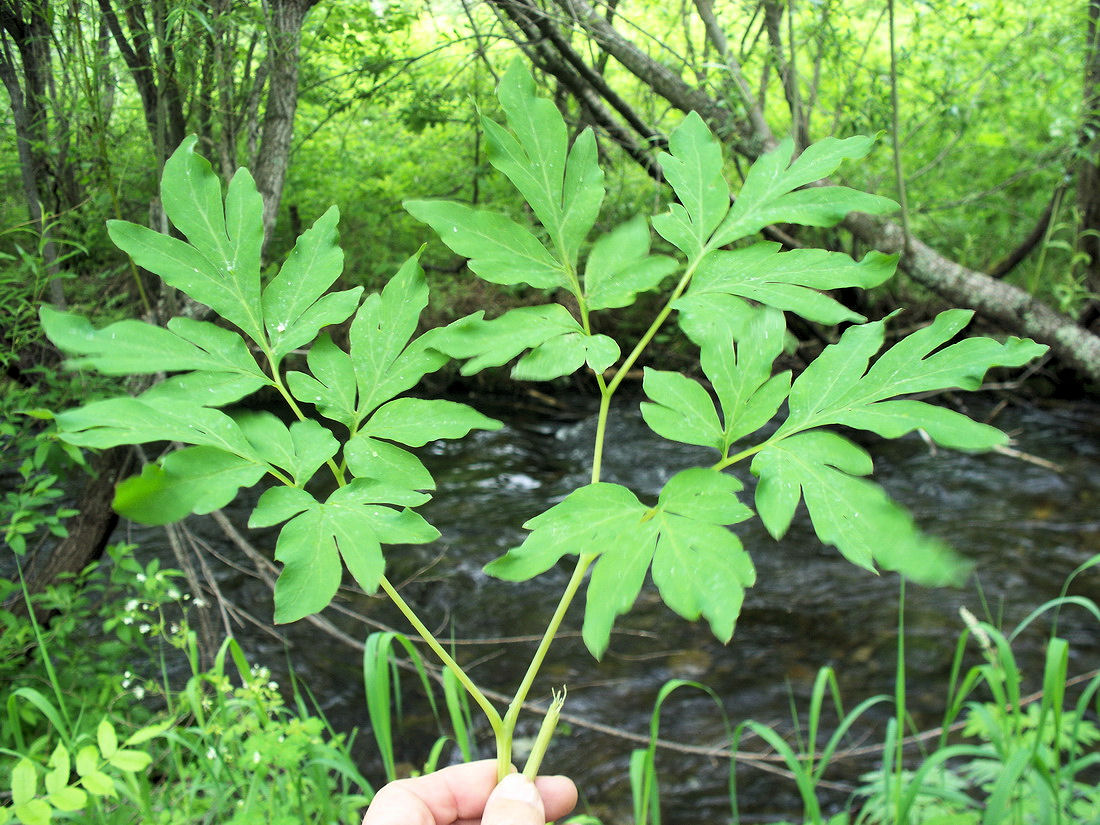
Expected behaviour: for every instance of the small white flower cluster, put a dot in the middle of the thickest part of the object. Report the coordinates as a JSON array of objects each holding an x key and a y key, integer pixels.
[
  {"x": 128, "y": 681},
  {"x": 260, "y": 675}
]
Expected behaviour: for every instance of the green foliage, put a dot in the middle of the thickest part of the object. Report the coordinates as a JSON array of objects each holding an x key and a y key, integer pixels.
[
  {"x": 83, "y": 731},
  {"x": 1025, "y": 759},
  {"x": 730, "y": 303}
]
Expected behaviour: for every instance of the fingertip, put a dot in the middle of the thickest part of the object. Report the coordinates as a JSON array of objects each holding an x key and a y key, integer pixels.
[
  {"x": 559, "y": 795},
  {"x": 514, "y": 801}
]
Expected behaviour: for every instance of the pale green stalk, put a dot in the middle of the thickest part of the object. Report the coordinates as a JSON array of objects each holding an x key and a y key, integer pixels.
[
  {"x": 438, "y": 649},
  {"x": 504, "y": 737},
  {"x": 285, "y": 393}
]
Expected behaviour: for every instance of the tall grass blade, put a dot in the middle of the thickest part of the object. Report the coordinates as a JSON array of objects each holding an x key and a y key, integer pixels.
[{"x": 381, "y": 682}]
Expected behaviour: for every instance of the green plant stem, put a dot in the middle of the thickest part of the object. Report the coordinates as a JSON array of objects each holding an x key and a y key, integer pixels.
[
  {"x": 504, "y": 742},
  {"x": 601, "y": 431},
  {"x": 438, "y": 649},
  {"x": 658, "y": 321},
  {"x": 608, "y": 390},
  {"x": 277, "y": 382},
  {"x": 504, "y": 738},
  {"x": 899, "y": 705}
]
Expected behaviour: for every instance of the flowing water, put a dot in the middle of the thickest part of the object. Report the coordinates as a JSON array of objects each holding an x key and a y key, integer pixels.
[{"x": 1025, "y": 526}]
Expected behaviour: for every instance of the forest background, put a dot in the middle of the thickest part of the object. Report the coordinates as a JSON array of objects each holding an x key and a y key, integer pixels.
[{"x": 989, "y": 116}]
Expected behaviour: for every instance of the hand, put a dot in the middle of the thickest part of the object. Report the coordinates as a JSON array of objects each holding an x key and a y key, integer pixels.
[{"x": 469, "y": 795}]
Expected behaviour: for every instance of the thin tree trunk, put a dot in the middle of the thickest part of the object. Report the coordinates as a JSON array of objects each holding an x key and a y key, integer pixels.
[
  {"x": 285, "y": 24},
  {"x": 26, "y": 26}
]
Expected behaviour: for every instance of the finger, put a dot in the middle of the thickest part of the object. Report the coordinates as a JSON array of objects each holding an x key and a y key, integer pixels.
[
  {"x": 559, "y": 795},
  {"x": 441, "y": 798},
  {"x": 515, "y": 801}
]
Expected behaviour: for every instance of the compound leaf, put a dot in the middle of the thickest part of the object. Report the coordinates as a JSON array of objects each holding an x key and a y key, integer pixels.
[
  {"x": 384, "y": 362},
  {"x": 839, "y": 388},
  {"x": 122, "y": 348},
  {"x": 693, "y": 166},
  {"x": 331, "y": 308},
  {"x": 416, "y": 421},
  {"x": 851, "y": 513},
  {"x": 312, "y": 266},
  {"x": 681, "y": 409},
  {"x": 182, "y": 266},
  {"x": 500, "y": 250},
  {"x": 116, "y": 421},
  {"x": 564, "y": 189},
  {"x": 492, "y": 343},
  {"x": 791, "y": 280},
  {"x": 620, "y": 266},
  {"x": 299, "y": 449},
  {"x": 767, "y": 197},
  {"x": 565, "y": 354},
  {"x": 698, "y": 565},
  {"x": 224, "y": 349},
  {"x": 346, "y": 526},
  {"x": 331, "y": 387},
  {"x": 372, "y": 458},
  {"x": 207, "y": 389},
  {"x": 279, "y": 504},
  {"x": 737, "y": 345}
]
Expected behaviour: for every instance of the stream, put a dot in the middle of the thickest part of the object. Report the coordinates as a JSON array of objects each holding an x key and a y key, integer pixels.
[{"x": 1025, "y": 525}]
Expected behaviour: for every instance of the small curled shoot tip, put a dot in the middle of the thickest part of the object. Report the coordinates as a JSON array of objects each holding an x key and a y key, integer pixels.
[{"x": 546, "y": 733}]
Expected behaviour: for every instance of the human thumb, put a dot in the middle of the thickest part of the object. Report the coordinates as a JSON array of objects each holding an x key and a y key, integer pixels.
[{"x": 515, "y": 801}]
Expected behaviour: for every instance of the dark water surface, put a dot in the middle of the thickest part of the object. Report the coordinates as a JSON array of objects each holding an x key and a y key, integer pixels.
[{"x": 1025, "y": 526}]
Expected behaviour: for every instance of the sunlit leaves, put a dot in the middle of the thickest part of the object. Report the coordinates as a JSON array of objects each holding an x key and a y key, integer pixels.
[{"x": 699, "y": 566}]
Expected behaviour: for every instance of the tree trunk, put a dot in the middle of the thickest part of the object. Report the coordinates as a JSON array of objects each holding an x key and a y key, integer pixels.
[
  {"x": 27, "y": 26},
  {"x": 285, "y": 19},
  {"x": 91, "y": 528},
  {"x": 748, "y": 135}
]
